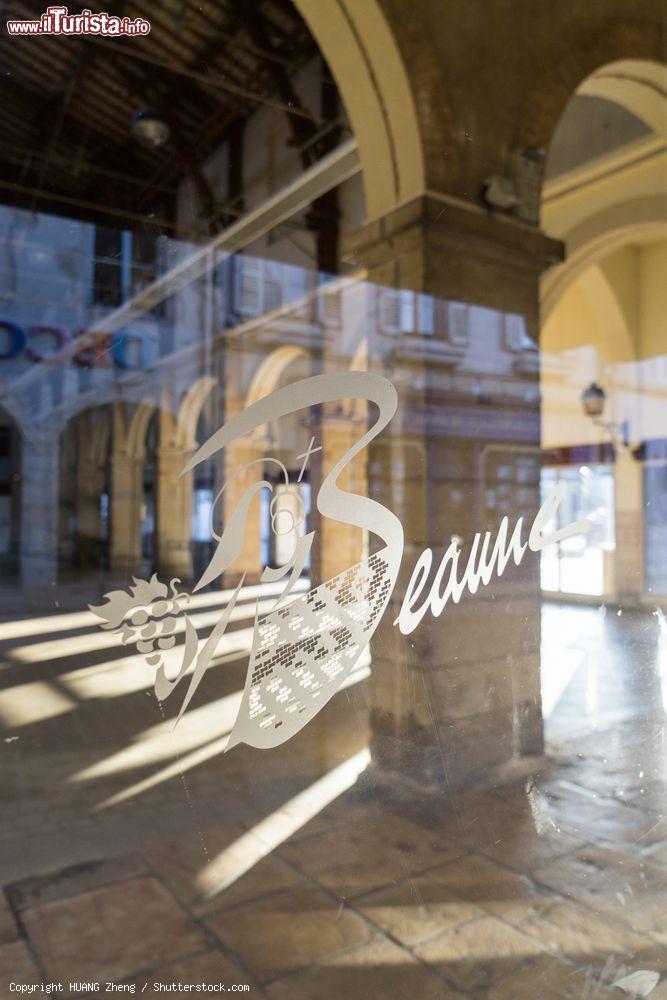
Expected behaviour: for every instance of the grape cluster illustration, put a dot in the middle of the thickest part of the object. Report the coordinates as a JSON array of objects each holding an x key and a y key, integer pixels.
[{"x": 146, "y": 616}]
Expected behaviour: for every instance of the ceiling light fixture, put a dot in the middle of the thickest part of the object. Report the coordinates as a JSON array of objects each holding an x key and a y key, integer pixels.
[{"x": 150, "y": 128}]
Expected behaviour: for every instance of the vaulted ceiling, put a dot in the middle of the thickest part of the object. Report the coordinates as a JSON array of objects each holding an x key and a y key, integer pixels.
[{"x": 66, "y": 103}]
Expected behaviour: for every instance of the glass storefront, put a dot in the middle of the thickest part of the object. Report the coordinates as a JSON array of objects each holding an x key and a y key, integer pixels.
[
  {"x": 577, "y": 565},
  {"x": 333, "y": 517}
]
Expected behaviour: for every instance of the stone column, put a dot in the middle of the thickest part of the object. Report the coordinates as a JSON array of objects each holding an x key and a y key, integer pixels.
[
  {"x": 39, "y": 511},
  {"x": 462, "y": 693},
  {"x": 91, "y": 475},
  {"x": 125, "y": 512},
  {"x": 341, "y": 546},
  {"x": 239, "y": 454},
  {"x": 174, "y": 514},
  {"x": 250, "y": 448},
  {"x": 629, "y": 517},
  {"x": 90, "y": 485}
]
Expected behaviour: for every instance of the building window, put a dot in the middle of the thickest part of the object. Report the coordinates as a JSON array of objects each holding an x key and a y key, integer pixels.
[
  {"x": 515, "y": 334},
  {"x": 108, "y": 267},
  {"x": 580, "y": 564},
  {"x": 655, "y": 527},
  {"x": 277, "y": 546},
  {"x": 124, "y": 265}
]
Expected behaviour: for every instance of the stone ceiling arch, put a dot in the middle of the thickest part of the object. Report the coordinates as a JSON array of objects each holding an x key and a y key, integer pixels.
[
  {"x": 359, "y": 47},
  {"x": 266, "y": 378},
  {"x": 638, "y": 85},
  {"x": 597, "y": 237}
]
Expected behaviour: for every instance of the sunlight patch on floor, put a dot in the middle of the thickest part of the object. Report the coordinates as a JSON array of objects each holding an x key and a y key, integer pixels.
[
  {"x": 225, "y": 711},
  {"x": 164, "y": 742},
  {"x": 23, "y": 628},
  {"x": 269, "y": 833},
  {"x": 116, "y": 678},
  {"x": 36, "y": 701}
]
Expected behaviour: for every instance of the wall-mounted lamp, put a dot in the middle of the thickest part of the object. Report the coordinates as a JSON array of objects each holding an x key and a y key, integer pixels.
[{"x": 593, "y": 399}]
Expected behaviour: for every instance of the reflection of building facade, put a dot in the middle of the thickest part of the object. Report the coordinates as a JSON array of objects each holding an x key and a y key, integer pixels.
[{"x": 125, "y": 408}]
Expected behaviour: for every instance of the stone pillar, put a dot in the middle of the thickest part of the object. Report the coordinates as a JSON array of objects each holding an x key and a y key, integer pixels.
[
  {"x": 341, "y": 546},
  {"x": 250, "y": 448},
  {"x": 39, "y": 511},
  {"x": 89, "y": 488},
  {"x": 125, "y": 512},
  {"x": 461, "y": 694},
  {"x": 629, "y": 517},
  {"x": 90, "y": 484},
  {"x": 174, "y": 514},
  {"x": 239, "y": 454}
]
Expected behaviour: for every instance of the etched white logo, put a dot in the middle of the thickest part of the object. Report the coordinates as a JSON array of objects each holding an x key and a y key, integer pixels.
[{"x": 306, "y": 646}]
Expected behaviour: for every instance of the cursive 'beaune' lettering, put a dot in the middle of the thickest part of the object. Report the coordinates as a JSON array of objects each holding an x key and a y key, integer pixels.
[{"x": 485, "y": 557}]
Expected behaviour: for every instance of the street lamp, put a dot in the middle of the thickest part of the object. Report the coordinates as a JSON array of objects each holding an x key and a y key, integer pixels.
[{"x": 593, "y": 399}]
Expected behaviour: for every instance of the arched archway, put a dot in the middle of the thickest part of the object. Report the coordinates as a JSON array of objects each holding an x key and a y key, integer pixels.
[
  {"x": 638, "y": 85},
  {"x": 605, "y": 197},
  {"x": 270, "y": 371},
  {"x": 597, "y": 237},
  {"x": 186, "y": 507},
  {"x": 585, "y": 339},
  {"x": 190, "y": 410},
  {"x": 621, "y": 196},
  {"x": 135, "y": 446},
  {"x": 359, "y": 46}
]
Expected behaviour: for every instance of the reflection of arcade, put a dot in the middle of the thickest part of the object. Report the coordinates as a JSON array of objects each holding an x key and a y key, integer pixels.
[{"x": 89, "y": 500}]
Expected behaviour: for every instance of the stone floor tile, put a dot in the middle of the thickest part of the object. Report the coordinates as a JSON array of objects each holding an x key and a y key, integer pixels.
[
  {"x": 495, "y": 890},
  {"x": 649, "y": 795},
  {"x": 344, "y": 811},
  {"x": 478, "y": 953},
  {"x": 8, "y": 928},
  {"x": 17, "y": 966},
  {"x": 590, "y": 816},
  {"x": 370, "y": 854},
  {"x": 657, "y": 854},
  {"x": 594, "y": 771},
  {"x": 288, "y": 930},
  {"x": 111, "y": 932},
  {"x": 269, "y": 874},
  {"x": 548, "y": 978},
  {"x": 208, "y": 870},
  {"x": 629, "y": 889},
  {"x": 209, "y": 968},
  {"x": 378, "y": 969},
  {"x": 580, "y": 934},
  {"x": 415, "y": 910},
  {"x": 508, "y": 825},
  {"x": 525, "y": 847},
  {"x": 33, "y": 892},
  {"x": 178, "y": 861},
  {"x": 482, "y": 819}
]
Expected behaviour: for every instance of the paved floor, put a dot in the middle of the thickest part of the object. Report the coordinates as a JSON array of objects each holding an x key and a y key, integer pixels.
[{"x": 301, "y": 875}]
